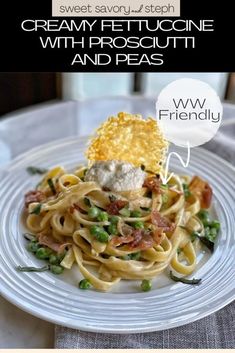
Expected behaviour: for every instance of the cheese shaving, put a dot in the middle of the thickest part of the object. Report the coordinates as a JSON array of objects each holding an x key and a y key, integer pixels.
[{"x": 129, "y": 138}]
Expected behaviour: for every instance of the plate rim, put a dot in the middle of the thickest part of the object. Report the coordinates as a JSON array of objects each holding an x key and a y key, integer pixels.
[{"x": 10, "y": 296}]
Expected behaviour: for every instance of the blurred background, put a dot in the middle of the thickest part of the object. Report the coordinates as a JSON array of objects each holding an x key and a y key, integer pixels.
[
  {"x": 39, "y": 108},
  {"x": 20, "y": 90}
]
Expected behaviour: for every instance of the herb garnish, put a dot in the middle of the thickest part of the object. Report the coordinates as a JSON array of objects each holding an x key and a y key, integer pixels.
[
  {"x": 33, "y": 269},
  {"x": 37, "y": 209},
  {"x": 84, "y": 174},
  {"x": 187, "y": 192},
  {"x": 208, "y": 243},
  {"x": 184, "y": 280},
  {"x": 52, "y": 186},
  {"x": 145, "y": 208},
  {"x": 87, "y": 202},
  {"x": 164, "y": 186},
  {"x": 211, "y": 230},
  {"x": 35, "y": 170},
  {"x": 112, "y": 198},
  {"x": 165, "y": 198},
  {"x": 179, "y": 251}
]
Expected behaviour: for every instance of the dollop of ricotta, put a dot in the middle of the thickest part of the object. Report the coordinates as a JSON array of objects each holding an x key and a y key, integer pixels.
[{"x": 116, "y": 175}]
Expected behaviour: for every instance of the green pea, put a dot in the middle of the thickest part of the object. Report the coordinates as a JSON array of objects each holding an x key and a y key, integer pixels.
[
  {"x": 136, "y": 214},
  {"x": 84, "y": 284},
  {"x": 33, "y": 246},
  {"x": 146, "y": 285},
  {"x": 54, "y": 260},
  {"x": 103, "y": 237},
  {"x": 56, "y": 269},
  {"x": 100, "y": 234},
  {"x": 215, "y": 224},
  {"x": 96, "y": 230},
  {"x": 93, "y": 212},
  {"x": 204, "y": 216},
  {"x": 43, "y": 253},
  {"x": 114, "y": 219},
  {"x": 102, "y": 216},
  {"x": 125, "y": 212},
  {"x": 112, "y": 229},
  {"x": 138, "y": 225}
]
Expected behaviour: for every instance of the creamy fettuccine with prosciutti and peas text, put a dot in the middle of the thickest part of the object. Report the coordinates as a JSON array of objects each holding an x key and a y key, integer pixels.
[{"x": 113, "y": 218}]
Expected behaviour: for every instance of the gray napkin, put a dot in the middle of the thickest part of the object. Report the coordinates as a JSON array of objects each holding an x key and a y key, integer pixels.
[{"x": 214, "y": 331}]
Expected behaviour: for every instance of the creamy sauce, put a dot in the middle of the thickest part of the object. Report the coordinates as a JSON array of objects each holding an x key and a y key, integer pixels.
[{"x": 116, "y": 175}]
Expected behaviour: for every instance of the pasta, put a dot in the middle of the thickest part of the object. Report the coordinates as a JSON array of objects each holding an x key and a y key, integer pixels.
[
  {"x": 64, "y": 219},
  {"x": 118, "y": 235}
]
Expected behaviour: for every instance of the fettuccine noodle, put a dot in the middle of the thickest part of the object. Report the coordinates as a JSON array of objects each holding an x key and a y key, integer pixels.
[{"x": 164, "y": 242}]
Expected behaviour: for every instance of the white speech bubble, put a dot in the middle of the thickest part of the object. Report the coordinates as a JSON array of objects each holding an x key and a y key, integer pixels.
[{"x": 189, "y": 112}]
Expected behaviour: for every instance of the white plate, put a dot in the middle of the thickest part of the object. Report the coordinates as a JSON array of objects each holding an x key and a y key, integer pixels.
[{"x": 126, "y": 309}]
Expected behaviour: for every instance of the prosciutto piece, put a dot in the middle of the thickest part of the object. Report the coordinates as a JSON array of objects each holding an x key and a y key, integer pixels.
[
  {"x": 143, "y": 240},
  {"x": 202, "y": 190},
  {"x": 114, "y": 207},
  {"x": 52, "y": 244},
  {"x": 162, "y": 222},
  {"x": 34, "y": 196},
  {"x": 153, "y": 184}
]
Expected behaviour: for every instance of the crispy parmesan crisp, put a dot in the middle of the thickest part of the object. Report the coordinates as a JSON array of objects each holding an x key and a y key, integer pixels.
[{"x": 129, "y": 138}]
